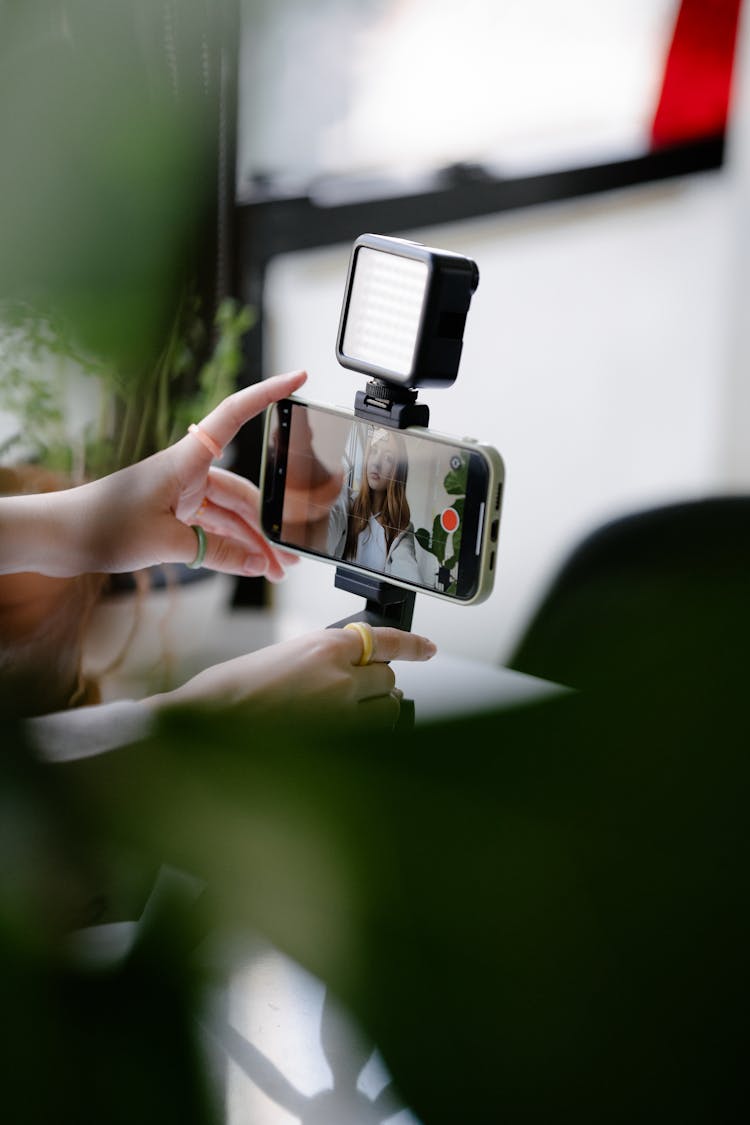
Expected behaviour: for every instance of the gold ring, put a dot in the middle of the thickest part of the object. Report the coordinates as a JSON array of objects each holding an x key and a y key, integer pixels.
[{"x": 368, "y": 640}]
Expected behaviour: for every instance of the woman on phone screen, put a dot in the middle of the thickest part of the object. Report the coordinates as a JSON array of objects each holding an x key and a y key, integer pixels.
[{"x": 371, "y": 525}]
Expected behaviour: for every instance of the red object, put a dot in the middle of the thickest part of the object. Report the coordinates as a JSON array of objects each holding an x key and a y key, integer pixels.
[
  {"x": 696, "y": 87},
  {"x": 449, "y": 519}
]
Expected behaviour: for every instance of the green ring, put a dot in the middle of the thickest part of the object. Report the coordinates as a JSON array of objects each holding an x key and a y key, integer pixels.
[{"x": 202, "y": 544}]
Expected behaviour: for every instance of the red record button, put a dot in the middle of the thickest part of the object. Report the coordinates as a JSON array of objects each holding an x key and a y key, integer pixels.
[{"x": 449, "y": 520}]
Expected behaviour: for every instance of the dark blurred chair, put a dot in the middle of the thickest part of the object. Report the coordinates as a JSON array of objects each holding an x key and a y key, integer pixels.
[{"x": 657, "y": 603}]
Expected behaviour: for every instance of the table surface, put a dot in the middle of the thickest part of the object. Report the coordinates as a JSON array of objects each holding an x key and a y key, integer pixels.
[{"x": 450, "y": 685}]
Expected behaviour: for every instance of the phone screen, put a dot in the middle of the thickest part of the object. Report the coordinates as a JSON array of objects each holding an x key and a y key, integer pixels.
[{"x": 394, "y": 503}]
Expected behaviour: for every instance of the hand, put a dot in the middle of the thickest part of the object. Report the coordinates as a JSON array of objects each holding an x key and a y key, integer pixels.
[
  {"x": 320, "y": 670},
  {"x": 142, "y": 515}
]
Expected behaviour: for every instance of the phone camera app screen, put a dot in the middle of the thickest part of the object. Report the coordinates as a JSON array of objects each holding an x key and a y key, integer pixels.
[{"x": 386, "y": 500}]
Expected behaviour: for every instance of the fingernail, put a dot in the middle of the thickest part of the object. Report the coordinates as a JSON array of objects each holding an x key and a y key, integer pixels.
[
  {"x": 430, "y": 648},
  {"x": 255, "y": 565}
]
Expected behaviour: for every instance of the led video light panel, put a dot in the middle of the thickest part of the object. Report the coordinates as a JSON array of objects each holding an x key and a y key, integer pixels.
[{"x": 385, "y": 309}]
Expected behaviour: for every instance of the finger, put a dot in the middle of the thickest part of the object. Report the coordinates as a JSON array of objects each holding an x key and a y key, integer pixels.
[
  {"x": 230, "y": 557},
  {"x": 229, "y": 416},
  {"x": 224, "y": 421},
  {"x": 388, "y": 644},
  {"x": 373, "y": 680},
  {"x": 233, "y": 492},
  {"x": 395, "y": 644},
  {"x": 228, "y": 525},
  {"x": 230, "y": 491},
  {"x": 223, "y": 554}
]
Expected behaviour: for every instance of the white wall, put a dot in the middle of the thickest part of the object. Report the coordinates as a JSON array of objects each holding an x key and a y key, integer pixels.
[{"x": 605, "y": 357}]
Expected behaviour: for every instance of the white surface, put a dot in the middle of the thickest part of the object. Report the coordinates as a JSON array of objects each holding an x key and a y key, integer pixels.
[
  {"x": 449, "y": 685},
  {"x": 410, "y": 84},
  {"x": 295, "y": 1056}
]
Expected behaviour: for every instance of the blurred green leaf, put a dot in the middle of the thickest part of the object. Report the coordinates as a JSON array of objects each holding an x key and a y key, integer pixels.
[
  {"x": 537, "y": 917},
  {"x": 108, "y": 130}
]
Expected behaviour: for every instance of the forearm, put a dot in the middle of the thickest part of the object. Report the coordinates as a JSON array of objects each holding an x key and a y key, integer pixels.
[
  {"x": 105, "y": 526},
  {"x": 83, "y": 732},
  {"x": 39, "y": 533}
]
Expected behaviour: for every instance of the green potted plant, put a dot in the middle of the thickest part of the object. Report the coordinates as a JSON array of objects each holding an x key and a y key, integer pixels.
[{"x": 120, "y": 419}]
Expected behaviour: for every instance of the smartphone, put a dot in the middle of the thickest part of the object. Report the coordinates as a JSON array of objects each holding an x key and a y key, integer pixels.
[{"x": 416, "y": 508}]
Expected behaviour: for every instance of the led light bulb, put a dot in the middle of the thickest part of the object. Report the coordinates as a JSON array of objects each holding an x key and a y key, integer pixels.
[{"x": 385, "y": 310}]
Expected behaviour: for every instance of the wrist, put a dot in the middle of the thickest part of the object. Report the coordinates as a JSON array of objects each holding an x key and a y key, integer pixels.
[{"x": 155, "y": 704}]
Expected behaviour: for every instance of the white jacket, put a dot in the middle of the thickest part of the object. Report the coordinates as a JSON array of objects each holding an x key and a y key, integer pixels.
[{"x": 401, "y": 560}]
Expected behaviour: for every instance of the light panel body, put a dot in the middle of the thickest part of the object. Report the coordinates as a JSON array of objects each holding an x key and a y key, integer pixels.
[{"x": 404, "y": 311}]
